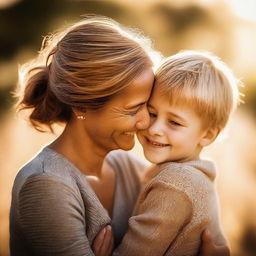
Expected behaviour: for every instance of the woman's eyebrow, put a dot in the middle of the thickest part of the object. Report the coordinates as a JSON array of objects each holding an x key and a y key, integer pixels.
[
  {"x": 134, "y": 105},
  {"x": 150, "y": 106}
]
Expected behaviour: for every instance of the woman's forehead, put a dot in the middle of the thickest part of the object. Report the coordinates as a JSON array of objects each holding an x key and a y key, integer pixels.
[{"x": 138, "y": 91}]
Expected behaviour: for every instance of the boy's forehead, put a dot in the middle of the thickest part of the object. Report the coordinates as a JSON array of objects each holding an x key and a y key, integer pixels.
[
  {"x": 158, "y": 94},
  {"x": 170, "y": 97},
  {"x": 178, "y": 101},
  {"x": 176, "y": 96}
]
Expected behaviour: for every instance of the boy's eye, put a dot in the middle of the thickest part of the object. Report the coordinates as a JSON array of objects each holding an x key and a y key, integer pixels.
[{"x": 174, "y": 123}]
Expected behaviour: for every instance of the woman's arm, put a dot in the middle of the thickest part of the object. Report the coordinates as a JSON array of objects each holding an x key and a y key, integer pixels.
[
  {"x": 51, "y": 217},
  {"x": 208, "y": 248}
]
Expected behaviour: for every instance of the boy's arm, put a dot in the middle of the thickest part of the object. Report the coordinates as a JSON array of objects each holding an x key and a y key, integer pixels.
[
  {"x": 104, "y": 242},
  {"x": 160, "y": 215}
]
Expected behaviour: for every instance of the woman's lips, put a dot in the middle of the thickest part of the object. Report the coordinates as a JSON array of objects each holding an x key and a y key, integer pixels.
[
  {"x": 156, "y": 144},
  {"x": 129, "y": 133}
]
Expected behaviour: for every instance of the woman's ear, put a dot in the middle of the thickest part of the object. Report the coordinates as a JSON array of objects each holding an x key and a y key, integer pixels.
[
  {"x": 79, "y": 113},
  {"x": 209, "y": 136}
]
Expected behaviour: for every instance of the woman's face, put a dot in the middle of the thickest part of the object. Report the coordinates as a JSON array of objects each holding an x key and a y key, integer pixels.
[{"x": 114, "y": 126}]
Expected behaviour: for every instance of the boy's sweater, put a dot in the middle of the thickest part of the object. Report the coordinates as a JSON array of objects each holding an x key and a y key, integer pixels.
[{"x": 173, "y": 210}]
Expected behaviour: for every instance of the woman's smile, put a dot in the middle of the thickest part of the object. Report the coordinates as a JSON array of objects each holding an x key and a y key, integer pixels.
[{"x": 130, "y": 134}]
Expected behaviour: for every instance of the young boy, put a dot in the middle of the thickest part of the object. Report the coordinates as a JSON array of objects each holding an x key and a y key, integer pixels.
[{"x": 193, "y": 97}]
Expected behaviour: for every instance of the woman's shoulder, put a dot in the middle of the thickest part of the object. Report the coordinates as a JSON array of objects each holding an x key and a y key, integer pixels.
[{"x": 47, "y": 166}]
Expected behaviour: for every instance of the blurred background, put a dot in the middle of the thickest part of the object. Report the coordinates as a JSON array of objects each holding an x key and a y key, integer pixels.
[{"x": 226, "y": 28}]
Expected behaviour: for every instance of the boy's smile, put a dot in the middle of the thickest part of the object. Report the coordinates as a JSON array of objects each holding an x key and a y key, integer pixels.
[{"x": 156, "y": 144}]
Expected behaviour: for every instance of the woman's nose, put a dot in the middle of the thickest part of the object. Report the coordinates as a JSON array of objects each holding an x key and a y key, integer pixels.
[{"x": 143, "y": 119}]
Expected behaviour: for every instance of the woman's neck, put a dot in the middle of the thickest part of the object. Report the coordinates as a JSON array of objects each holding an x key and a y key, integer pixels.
[{"x": 78, "y": 148}]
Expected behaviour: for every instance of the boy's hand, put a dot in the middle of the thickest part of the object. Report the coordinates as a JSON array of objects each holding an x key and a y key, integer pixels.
[
  {"x": 208, "y": 248},
  {"x": 104, "y": 242}
]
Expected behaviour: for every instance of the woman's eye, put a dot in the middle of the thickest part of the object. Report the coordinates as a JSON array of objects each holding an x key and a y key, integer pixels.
[
  {"x": 152, "y": 115},
  {"x": 133, "y": 113}
]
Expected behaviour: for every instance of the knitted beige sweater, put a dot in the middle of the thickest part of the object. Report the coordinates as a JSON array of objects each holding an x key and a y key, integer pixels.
[
  {"x": 173, "y": 210},
  {"x": 54, "y": 210}
]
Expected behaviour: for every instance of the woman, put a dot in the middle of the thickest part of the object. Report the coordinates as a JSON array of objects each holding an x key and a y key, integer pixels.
[{"x": 96, "y": 78}]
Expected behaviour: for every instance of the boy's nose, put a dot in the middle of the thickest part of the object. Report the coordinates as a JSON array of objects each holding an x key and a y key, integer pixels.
[
  {"x": 143, "y": 119},
  {"x": 156, "y": 128}
]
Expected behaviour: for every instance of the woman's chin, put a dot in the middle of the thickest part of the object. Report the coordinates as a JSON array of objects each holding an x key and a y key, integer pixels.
[{"x": 127, "y": 145}]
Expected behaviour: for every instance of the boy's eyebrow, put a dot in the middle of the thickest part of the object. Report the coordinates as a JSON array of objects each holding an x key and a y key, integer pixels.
[
  {"x": 134, "y": 105},
  {"x": 177, "y": 116},
  {"x": 171, "y": 113}
]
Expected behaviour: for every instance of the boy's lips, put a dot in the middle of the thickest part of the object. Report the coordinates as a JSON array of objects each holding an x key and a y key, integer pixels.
[{"x": 156, "y": 143}]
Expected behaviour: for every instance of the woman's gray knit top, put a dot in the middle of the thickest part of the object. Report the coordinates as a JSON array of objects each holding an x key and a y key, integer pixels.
[{"x": 54, "y": 211}]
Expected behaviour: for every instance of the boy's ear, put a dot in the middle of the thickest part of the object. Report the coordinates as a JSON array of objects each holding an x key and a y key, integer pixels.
[{"x": 209, "y": 136}]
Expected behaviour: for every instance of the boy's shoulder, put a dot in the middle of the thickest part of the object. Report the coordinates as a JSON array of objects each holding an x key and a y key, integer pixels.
[
  {"x": 194, "y": 177},
  {"x": 197, "y": 169}
]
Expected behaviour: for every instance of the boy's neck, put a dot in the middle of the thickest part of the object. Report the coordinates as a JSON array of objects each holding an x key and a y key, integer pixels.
[{"x": 154, "y": 169}]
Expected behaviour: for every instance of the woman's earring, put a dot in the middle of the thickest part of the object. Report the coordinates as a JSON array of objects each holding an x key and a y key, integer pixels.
[{"x": 80, "y": 117}]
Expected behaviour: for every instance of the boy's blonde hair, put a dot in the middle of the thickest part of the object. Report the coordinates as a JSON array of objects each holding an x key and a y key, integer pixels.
[{"x": 202, "y": 81}]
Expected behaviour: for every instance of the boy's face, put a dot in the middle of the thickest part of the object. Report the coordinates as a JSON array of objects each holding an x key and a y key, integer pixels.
[{"x": 175, "y": 133}]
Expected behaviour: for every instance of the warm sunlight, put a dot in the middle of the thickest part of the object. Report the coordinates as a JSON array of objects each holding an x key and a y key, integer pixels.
[
  {"x": 7, "y": 3},
  {"x": 244, "y": 9},
  {"x": 226, "y": 28}
]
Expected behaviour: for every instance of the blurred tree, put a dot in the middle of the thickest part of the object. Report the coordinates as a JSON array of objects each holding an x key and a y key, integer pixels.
[
  {"x": 6, "y": 99},
  {"x": 248, "y": 241},
  {"x": 250, "y": 94},
  {"x": 23, "y": 24},
  {"x": 180, "y": 19}
]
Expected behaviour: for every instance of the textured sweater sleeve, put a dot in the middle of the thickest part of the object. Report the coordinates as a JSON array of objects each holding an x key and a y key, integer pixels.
[
  {"x": 52, "y": 217},
  {"x": 160, "y": 214}
]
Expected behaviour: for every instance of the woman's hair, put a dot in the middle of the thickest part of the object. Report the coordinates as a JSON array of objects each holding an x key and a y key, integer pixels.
[
  {"x": 81, "y": 67},
  {"x": 201, "y": 81}
]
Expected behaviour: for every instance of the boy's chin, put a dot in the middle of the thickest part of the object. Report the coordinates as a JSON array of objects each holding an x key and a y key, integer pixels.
[{"x": 154, "y": 159}]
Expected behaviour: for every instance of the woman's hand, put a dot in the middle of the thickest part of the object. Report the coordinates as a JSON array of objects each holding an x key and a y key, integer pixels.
[
  {"x": 104, "y": 242},
  {"x": 208, "y": 247}
]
